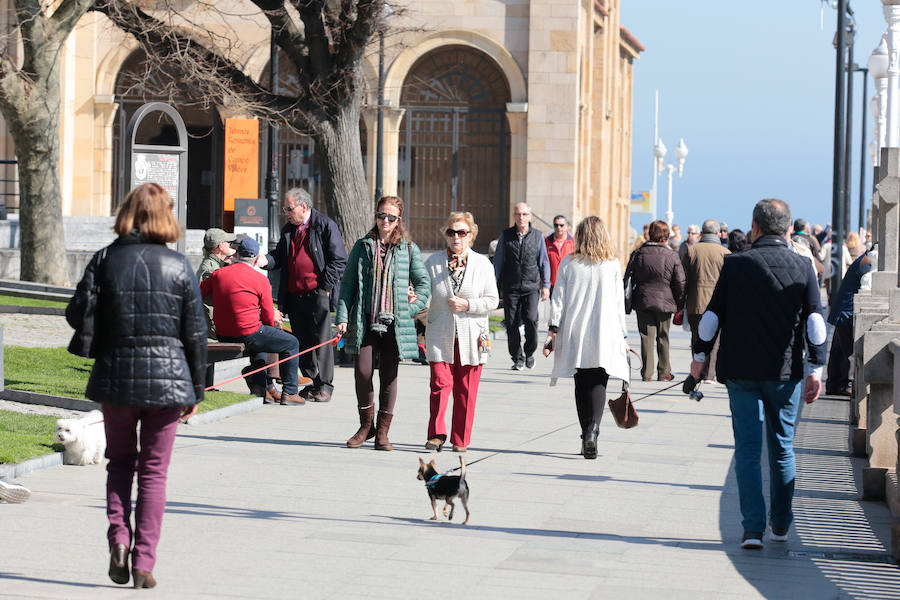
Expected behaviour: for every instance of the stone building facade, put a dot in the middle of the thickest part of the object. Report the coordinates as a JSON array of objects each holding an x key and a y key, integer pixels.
[{"x": 487, "y": 103}]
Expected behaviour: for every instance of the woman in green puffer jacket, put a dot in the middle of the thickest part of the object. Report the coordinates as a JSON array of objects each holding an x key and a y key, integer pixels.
[{"x": 384, "y": 285}]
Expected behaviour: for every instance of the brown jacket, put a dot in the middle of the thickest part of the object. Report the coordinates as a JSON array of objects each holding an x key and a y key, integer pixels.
[
  {"x": 702, "y": 263},
  {"x": 658, "y": 278}
]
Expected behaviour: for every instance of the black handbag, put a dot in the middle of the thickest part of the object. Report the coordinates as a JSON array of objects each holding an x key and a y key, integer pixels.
[
  {"x": 83, "y": 342},
  {"x": 629, "y": 288}
]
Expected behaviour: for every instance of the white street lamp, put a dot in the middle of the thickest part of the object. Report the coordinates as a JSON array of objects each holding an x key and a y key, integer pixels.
[
  {"x": 878, "y": 69},
  {"x": 681, "y": 152}
]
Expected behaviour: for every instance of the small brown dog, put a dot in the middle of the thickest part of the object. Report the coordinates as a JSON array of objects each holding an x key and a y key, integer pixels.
[{"x": 445, "y": 487}]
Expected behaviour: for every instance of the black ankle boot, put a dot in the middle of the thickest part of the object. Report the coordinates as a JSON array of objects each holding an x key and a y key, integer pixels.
[{"x": 589, "y": 441}]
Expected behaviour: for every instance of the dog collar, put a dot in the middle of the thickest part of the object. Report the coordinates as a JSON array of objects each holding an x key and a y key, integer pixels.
[{"x": 433, "y": 481}]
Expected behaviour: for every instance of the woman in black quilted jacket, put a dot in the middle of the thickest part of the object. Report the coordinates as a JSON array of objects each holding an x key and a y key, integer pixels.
[
  {"x": 150, "y": 346},
  {"x": 659, "y": 290}
]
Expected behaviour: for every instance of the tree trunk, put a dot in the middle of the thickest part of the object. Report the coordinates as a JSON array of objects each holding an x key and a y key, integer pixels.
[
  {"x": 35, "y": 132},
  {"x": 347, "y": 198}
]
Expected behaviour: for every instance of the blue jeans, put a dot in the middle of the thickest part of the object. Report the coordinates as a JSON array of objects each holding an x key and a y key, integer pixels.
[
  {"x": 777, "y": 404},
  {"x": 270, "y": 339}
]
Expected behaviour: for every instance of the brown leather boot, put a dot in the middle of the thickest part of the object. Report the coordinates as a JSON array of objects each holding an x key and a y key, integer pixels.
[
  {"x": 381, "y": 431},
  {"x": 366, "y": 429}
]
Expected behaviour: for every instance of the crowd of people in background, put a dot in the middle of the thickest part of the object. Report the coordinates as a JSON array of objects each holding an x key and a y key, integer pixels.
[{"x": 741, "y": 294}]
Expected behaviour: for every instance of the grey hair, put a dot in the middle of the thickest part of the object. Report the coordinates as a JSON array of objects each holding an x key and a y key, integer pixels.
[
  {"x": 693, "y": 229},
  {"x": 800, "y": 225},
  {"x": 300, "y": 195},
  {"x": 772, "y": 216},
  {"x": 710, "y": 226},
  {"x": 246, "y": 259}
]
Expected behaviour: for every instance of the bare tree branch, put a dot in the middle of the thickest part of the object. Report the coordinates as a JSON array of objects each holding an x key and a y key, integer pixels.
[
  {"x": 66, "y": 17},
  {"x": 214, "y": 75}
]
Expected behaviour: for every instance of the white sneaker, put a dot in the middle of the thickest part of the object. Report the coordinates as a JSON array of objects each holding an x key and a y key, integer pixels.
[
  {"x": 779, "y": 535},
  {"x": 752, "y": 540},
  {"x": 13, "y": 492}
]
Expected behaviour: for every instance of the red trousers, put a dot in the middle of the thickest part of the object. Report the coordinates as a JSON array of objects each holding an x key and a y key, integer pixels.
[{"x": 462, "y": 380}]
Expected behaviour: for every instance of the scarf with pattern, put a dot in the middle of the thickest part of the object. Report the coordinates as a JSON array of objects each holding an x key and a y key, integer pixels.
[{"x": 382, "y": 314}]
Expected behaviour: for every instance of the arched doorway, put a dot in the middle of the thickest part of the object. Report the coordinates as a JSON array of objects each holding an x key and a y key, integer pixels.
[
  {"x": 454, "y": 143},
  {"x": 136, "y": 84}
]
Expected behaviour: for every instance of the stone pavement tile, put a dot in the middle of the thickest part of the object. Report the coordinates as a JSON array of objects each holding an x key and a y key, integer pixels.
[{"x": 271, "y": 505}]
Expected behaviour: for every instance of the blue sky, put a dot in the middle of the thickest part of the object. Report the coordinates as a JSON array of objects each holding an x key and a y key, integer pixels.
[{"x": 750, "y": 88}]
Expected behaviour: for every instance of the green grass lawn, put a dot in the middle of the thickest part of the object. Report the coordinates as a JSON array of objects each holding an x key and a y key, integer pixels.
[
  {"x": 19, "y": 301},
  {"x": 55, "y": 372},
  {"x": 494, "y": 323},
  {"x": 26, "y": 436}
]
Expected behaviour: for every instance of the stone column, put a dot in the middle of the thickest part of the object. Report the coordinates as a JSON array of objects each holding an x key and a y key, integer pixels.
[
  {"x": 516, "y": 114},
  {"x": 892, "y": 16},
  {"x": 392, "y": 120},
  {"x": 885, "y": 279},
  {"x": 104, "y": 115}
]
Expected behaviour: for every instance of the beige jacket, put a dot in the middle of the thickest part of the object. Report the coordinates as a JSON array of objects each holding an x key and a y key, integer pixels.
[{"x": 702, "y": 263}]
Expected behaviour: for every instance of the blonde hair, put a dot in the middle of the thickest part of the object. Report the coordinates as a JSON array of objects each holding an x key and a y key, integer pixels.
[
  {"x": 592, "y": 242},
  {"x": 852, "y": 240},
  {"x": 465, "y": 217},
  {"x": 148, "y": 209}
]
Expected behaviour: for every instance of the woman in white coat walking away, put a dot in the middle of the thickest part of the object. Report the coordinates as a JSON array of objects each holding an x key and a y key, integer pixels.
[
  {"x": 457, "y": 335},
  {"x": 587, "y": 325}
]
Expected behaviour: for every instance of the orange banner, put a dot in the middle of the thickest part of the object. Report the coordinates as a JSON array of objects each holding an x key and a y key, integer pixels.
[{"x": 241, "y": 160}]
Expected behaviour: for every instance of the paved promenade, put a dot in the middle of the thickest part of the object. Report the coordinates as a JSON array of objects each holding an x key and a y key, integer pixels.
[{"x": 272, "y": 505}]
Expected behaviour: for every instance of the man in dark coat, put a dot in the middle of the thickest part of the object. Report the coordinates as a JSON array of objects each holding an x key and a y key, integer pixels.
[
  {"x": 766, "y": 304},
  {"x": 838, "y": 382},
  {"x": 311, "y": 255},
  {"x": 523, "y": 277}
]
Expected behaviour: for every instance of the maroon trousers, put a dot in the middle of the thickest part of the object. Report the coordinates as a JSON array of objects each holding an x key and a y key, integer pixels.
[
  {"x": 151, "y": 462},
  {"x": 463, "y": 382}
]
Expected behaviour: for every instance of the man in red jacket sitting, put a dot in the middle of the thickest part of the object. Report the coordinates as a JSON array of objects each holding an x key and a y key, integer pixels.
[
  {"x": 560, "y": 244},
  {"x": 245, "y": 313}
]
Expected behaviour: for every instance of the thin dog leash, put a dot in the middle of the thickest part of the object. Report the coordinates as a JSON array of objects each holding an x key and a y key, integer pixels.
[
  {"x": 333, "y": 340},
  {"x": 557, "y": 430}
]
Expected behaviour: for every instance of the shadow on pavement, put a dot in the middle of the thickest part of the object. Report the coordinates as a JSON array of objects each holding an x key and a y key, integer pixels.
[
  {"x": 833, "y": 529},
  {"x": 19, "y": 577}
]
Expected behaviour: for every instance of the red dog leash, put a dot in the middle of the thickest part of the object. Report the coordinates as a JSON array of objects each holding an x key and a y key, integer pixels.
[{"x": 333, "y": 341}]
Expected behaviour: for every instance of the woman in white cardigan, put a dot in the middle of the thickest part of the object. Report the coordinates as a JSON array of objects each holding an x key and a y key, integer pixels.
[
  {"x": 587, "y": 325},
  {"x": 457, "y": 337}
]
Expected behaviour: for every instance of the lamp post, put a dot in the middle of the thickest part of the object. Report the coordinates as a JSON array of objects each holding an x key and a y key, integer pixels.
[
  {"x": 837, "y": 185},
  {"x": 849, "y": 35},
  {"x": 272, "y": 151},
  {"x": 386, "y": 12},
  {"x": 681, "y": 152},
  {"x": 861, "y": 220}
]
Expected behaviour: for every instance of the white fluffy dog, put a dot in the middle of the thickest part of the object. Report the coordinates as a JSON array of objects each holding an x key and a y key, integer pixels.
[{"x": 84, "y": 438}]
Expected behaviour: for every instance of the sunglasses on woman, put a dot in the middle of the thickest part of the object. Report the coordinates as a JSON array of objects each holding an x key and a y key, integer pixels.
[
  {"x": 382, "y": 216},
  {"x": 456, "y": 232}
]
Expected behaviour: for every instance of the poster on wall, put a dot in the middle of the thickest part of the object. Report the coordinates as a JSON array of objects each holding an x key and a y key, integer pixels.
[
  {"x": 251, "y": 219},
  {"x": 241, "y": 160},
  {"x": 156, "y": 167}
]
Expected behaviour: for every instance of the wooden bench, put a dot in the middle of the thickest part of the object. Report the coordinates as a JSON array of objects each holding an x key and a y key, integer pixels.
[{"x": 219, "y": 351}]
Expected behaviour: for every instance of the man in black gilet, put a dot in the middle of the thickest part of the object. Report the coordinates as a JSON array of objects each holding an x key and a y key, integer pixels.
[{"x": 523, "y": 277}]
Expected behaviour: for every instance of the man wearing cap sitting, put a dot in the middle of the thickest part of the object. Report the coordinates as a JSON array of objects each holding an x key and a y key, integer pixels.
[
  {"x": 245, "y": 314},
  {"x": 217, "y": 251}
]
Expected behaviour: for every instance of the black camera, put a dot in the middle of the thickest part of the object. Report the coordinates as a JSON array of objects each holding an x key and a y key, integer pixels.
[{"x": 689, "y": 387}]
